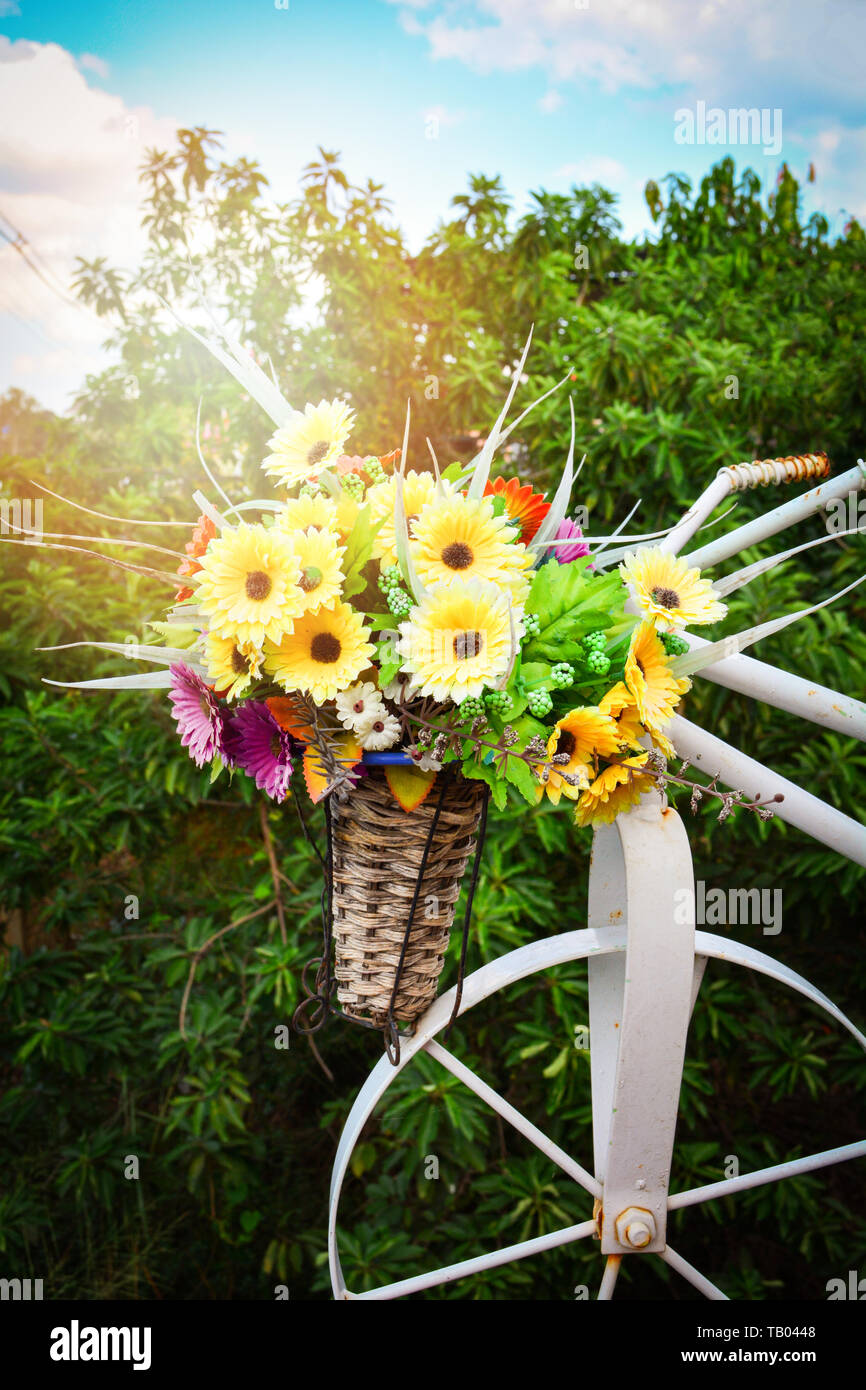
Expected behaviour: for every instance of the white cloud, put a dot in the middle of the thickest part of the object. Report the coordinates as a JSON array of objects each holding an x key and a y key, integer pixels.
[
  {"x": 69, "y": 157},
  {"x": 727, "y": 52},
  {"x": 550, "y": 102},
  {"x": 8, "y": 7},
  {"x": 90, "y": 62}
]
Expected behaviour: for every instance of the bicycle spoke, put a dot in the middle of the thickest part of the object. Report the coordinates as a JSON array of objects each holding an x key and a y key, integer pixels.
[
  {"x": 763, "y": 1175},
  {"x": 799, "y": 807},
  {"x": 514, "y": 1118},
  {"x": 693, "y": 1275},
  {"x": 611, "y": 1274},
  {"x": 448, "y": 1273}
]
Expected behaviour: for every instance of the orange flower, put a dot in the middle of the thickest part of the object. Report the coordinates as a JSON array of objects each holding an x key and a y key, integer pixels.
[
  {"x": 527, "y": 509},
  {"x": 203, "y": 533}
]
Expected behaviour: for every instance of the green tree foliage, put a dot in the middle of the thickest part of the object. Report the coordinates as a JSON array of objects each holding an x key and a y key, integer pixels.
[{"x": 132, "y": 1023}]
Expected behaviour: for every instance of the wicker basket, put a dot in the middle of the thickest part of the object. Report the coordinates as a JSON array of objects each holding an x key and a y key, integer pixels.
[{"x": 378, "y": 849}]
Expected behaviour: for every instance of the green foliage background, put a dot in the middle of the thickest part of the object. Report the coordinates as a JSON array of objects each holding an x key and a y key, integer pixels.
[{"x": 235, "y": 1137}]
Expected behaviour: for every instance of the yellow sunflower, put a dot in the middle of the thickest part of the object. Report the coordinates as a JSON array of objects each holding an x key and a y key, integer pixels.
[
  {"x": 418, "y": 490},
  {"x": 312, "y": 441},
  {"x": 620, "y": 704},
  {"x": 460, "y": 538},
  {"x": 656, "y": 690},
  {"x": 347, "y": 509},
  {"x": 325, "y": 652},
  {"x": 583, "y": 735},
  {"x": 319, "y": 557},
  {"x": 457, "y": 640},
  {"x": 300, "y": 512},
  {"x": 231, "y": 667},
  {"x": 618, "y": 787},
  {"x": 248, "y": 584},
  {"x": 668, "y": 592}
]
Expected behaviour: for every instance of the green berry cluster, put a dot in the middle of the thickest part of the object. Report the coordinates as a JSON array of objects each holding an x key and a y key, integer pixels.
[
  {"x": 471, "y": 708},
  {"x": 598, "y": 663},
  {"x": 374, "y": 470},
  {"x": 532, "y": 624},
  {"x": 310, "y": 490},
  {"x": 674, "y": 645},
  {"x": 539, "y": 702},
  {"x": 562, "y": 675},
  {"x": 353, "y": 483},
  {"x": 390, "y": 578},
  {"x": 594, "y": 642},
  {"x": 399, "y": 602},
  {"x": 499, "y": 701}
]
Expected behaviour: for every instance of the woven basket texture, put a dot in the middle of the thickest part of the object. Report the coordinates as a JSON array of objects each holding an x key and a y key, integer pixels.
[{"x": 377, "y": 852}]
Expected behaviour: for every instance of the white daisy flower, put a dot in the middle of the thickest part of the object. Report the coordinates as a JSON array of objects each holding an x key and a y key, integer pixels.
[
  {"x": 378, "y": 732},
  {"x": 425, "y": 761},
  {"x": 359, "y": 704},
  {"x": 402, "y": 688}
]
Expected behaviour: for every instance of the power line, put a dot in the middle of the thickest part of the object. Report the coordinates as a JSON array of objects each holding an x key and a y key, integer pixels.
[{"x": 18, "y": 243}]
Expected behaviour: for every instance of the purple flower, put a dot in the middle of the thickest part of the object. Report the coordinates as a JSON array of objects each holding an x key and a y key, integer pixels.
[
  {"x": 199, "y": 716},
  {"x": 566, "y": 553},
  {"x": 257, "y": 744}
]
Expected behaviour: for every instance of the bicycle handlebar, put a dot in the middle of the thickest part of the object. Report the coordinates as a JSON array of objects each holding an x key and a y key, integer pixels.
[{"x": 795, "y": 468}]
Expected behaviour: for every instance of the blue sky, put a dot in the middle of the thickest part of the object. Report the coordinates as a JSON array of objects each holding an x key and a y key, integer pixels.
[{"x": 545, "y": 94}]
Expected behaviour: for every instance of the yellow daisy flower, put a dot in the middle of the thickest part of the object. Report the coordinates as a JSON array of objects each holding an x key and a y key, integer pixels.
[
  {"x": 656, "y": 690},
  {"x": 319, "y": 557},
  {"x": 248, "y": 584},
  {"x": 347, "y": 509},
  {"x": 325, "y": 653},
  {"x": 231, "y": 667},
  {"x": 300, "y": 512},
  {"x": 668, "y": 592},
  {"x": 615, "y": 789},
  {"x": 583, "y": 735},
  {"x": 620, "y": 704},
  {"x": 418, "y": 490},
  {"x": 311, "y": 441},
  {"x": 461, "y": 538},
  {"x": 457, "y": 640}
]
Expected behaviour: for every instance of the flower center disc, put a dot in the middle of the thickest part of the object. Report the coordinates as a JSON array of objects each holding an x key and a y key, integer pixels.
[
  {"x": 310, "y": 579},
  {"x": 467, "y": 645},
  {"x": 258, "y": 585},
  {"x": 457, "y": 556},
  {"x": 240, "y": 665},
  {"x": 318, "y": 451},
  {"x": 668, "y": 598},
  {"x": 566, "y": 742},
  {"x": 325, "y": 647}
]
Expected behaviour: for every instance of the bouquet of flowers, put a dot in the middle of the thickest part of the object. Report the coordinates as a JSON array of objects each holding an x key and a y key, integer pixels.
[{"x": 415, "y": 640}]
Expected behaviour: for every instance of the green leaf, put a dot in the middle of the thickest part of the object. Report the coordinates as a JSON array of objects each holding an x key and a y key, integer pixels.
[
  {"x": 570, "y": 603},
  {"x": 520, "y": 775},
  {"x": 359, "y": 551},
  {"x": 486, "y": 772}
]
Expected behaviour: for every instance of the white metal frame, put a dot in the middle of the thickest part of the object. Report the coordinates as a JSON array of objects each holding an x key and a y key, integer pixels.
[
  {"x": 645, "y": 963},
  {"x": 644, "y": 967}
]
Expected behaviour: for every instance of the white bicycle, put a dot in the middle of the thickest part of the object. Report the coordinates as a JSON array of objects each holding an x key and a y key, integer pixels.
[{"x": 646, "y": 960}]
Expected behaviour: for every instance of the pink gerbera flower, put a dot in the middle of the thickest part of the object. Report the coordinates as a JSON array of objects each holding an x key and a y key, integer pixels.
[
  {"x": 566, "y": 553},
  {"x": 263, "y": 750},
  {"x": 200, "y": 720}
]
